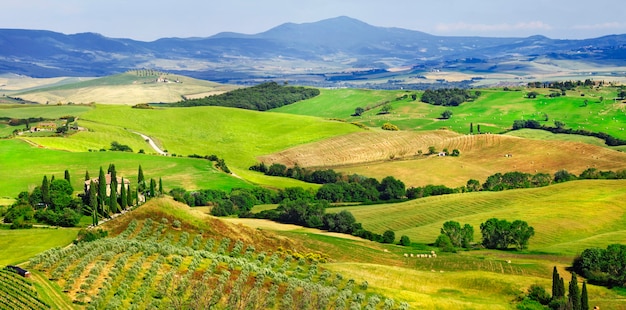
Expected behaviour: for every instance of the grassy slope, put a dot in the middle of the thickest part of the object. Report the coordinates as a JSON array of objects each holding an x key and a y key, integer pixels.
[
  {"x": 23, "y": 167},
  {"x": 45, "y": 111},
  {"x": 494, "y": 110},
  {"x": 17, "y": 246},
  {"x": 553, "y": 211},
  {"x": 236, "y": 135},
  {"x": 339, "y": 103},
  {"x": 126, "y": 88},
  {"x": 369, "y": 153}
]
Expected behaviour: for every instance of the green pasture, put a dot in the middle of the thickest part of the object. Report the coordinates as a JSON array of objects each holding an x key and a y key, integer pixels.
[
  {"x": 495, "y": 110},
  {"x": 236, "y": 135},
  {"x": 567, "y": 217},
  {"x": 44, "y": 111},
  {"x": 340, "y": 103},
  {"x": 17, "y": 246},
  {"x": 23, "y": 167}
]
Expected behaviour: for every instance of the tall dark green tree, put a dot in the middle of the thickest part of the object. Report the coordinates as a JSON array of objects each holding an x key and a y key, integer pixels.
[
  {"x": 584, "y": 299},
  {"x": 87, "y": 175},
  {"x": 93, "y": 202},
  {"x": 160, "y": 186},
  {"x": 123, "y": 198},
  {"x": 45, "y": 190},
  {"x": 557, "y": 290},
  {"x": 574, "y": 293},
  {"x": 113, "y": 206},
  {"x": 152, "y": 188},
  {"x": 129, "y": 196},
  {"x": 67, "y": 178},
  {"x": 102, "y": 189},
  {"x": 140, "y": 177}
]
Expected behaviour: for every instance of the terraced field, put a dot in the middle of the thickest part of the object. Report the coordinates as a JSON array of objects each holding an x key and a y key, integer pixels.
[
  {"x": 380, "y": 154},
  {"x": 554, "y": 211}
]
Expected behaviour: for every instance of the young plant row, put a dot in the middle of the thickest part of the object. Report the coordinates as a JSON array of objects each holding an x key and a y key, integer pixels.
[
  {"x": 18, "y": 293},
  {"x": 151, "y": 266}
]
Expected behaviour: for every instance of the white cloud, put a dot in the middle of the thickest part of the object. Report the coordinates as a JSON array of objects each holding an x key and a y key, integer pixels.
[
  {"x": 602, "y": 26},
  {"x": 503, "y": 27}
]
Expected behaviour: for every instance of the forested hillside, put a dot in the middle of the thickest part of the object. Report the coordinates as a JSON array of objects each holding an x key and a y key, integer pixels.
[{"x": 262, "y": 97}]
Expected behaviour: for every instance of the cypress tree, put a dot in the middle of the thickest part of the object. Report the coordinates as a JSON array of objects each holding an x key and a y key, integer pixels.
[
  {"x": 102, "y": 188},
  {"x": 113, "y": 178},
  {"x": 584, "y": 299},
  {"x": 574, "y": 293},
  {"x": 52, "y": 178},
  {"x": 123, "y": 198},
  {"x": 67, "y": 178},
  {"x": 152, "y": 188},
  {"x": 471, "y": 127},
  {"x": 93, "y": 201},
  {"x": 556, "y": 285},
  {"x": 45, "y": 190},
  {"x": 140, "y": 178},
  {"x": 87, "y": 175},
  {"x": 160, "y": 186},
  {"x": 113, "y": 200},
  {"x": 129, "y": 197}
]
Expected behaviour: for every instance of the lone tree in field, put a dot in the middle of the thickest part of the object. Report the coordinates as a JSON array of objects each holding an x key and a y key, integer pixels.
[
  {"x": 446, "y": 114},
  {"x": 358, "y": 111}
]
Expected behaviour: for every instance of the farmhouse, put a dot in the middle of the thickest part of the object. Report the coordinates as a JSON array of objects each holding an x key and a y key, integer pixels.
[
  {"x": 22, "y": 272},
  {"x": 44, "y": 126},
  {"x": 108, "y": 179}
]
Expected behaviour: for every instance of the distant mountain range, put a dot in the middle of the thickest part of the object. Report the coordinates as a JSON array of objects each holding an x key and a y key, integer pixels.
[{"x": 311, "y": 49}]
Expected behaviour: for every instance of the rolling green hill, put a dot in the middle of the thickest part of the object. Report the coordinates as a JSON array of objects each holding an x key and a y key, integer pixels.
[
  {"x": 564, "y": 223},
  {"x": 495, "y": 110},
  {"x": 23, "y": 167},
  {"x": 236, "y": 135}
]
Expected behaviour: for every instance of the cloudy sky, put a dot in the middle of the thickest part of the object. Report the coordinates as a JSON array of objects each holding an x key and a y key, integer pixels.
[{"x": 149, "y": 20}]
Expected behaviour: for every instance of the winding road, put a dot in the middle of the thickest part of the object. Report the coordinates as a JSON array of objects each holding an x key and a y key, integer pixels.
[{"x": 152, "y": 144}]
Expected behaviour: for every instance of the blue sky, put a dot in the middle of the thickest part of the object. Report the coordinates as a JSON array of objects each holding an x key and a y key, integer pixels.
[{"x": 149, "y": 20}]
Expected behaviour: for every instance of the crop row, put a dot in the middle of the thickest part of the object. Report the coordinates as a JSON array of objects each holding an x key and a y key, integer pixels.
[
  {"x": 196, "y": 273},
  {"x": 17, "y": 293}
]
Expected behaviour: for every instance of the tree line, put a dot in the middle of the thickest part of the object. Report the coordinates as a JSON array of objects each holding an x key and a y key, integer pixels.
[
  {"x": 559, "y": 127},
  {"x": 496, "y": 234},
  {"x": 605, "y": 267},
  {"x": 261, "y": 97}
]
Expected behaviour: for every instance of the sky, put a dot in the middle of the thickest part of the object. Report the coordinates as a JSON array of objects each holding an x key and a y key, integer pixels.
[{"x": 150, "y": 20}]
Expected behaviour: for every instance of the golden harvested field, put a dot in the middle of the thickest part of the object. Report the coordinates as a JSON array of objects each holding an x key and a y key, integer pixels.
[{"x": 380, "y": 154}]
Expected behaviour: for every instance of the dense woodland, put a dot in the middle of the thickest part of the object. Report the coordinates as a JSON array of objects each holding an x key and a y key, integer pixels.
[
  {"x": 448, "y": 96},
  {"x": 261, "y": 97}
]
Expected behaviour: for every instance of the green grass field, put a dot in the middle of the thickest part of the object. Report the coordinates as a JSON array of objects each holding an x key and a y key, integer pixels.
[
  {"x": 45, "y": 111},
  {"x": 553, "y": 211},
  {"x": 24, "y": 166},
  {"x": 495, "y": 110},
  {"x": 17, "y": 246}
]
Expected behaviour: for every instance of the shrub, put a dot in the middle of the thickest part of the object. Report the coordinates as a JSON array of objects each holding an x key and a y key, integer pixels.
[
  {"x": 405, "y": 241},
  {"x": 389, "y": 126}
]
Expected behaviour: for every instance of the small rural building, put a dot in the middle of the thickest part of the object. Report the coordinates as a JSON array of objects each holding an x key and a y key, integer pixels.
[
  {"x": 22, "y": 272},
  {"x": 108, "y": 179}
]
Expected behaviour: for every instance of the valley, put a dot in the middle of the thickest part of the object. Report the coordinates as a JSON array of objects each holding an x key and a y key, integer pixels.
[{"x": 165, "y": 253}]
